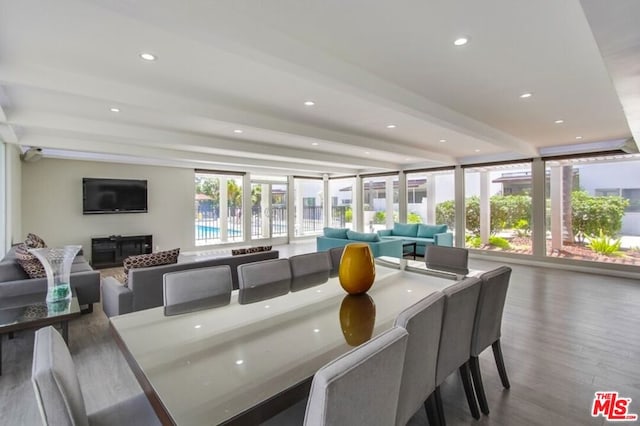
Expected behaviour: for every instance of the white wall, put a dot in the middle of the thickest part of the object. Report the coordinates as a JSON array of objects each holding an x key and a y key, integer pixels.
[
  {"x": 52, "y": 204},
  {"x": 13, "y": 194}
]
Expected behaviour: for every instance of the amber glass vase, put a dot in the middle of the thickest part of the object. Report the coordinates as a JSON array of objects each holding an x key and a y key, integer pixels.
[{"x": 357, "y": 268}]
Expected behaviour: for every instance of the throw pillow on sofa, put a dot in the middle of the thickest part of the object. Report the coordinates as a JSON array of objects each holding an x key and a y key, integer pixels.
[
  {"x": 29, "y": 262},
  {"x": 152, "y": 259},
  {"x": 363, "y": 236},
  {"x": 34, "y": 241},
  {"x": 236, "y": 252},
  {"x": 428, "y": 231},
  {"x": 335, "y": 232}
]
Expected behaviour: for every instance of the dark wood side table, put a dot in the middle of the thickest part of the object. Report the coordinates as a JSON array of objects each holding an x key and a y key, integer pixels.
[
  {"x": 409, "y": 249},
  {"x": 31, "y": 311}
]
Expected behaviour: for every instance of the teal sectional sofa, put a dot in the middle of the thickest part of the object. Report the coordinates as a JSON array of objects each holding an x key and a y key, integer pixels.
[
  {"x": 340, "y": 237},
  {"x": 423, "y": 235}
]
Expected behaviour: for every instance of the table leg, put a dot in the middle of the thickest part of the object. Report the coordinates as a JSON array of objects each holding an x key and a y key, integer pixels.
[{"x": 65, "y": 331}]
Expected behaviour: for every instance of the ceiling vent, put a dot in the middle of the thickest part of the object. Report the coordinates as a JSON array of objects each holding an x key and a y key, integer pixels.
[{"x": 31, "y": 155}]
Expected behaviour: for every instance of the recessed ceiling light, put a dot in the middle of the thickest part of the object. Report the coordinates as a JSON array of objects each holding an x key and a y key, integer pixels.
[
  {"x": 476, "y": 150},
  {"x": 148, "y": 56},
  {"x": 315, "y": 143},
  {"x": 367, "y": 152},
  {"x": 238, "y": 131},
  {"x": 239, "y": 362},
  {"x": 461, "y": 41},
  {"x": 526, "y": 95},
  {"x": 391, "y": 126},
  {"x": 309, "y": 103},
  {"x": 443, "y": 140},
  {"x": 114, "y": 109},
  {"x": 578, "y": 137},
  {"x": 559, "y": 121}
]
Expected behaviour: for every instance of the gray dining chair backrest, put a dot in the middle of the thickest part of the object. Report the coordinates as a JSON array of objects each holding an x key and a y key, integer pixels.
[
  {"x": 423, "y": 322},
  {"x": 59, "y": 394},
  {"x": 461, "y": 299},
  {"x": 488, "y": 320},
  {"x": 448, "y": 259},
  {"x": 336, "y": 256},
  {"x": 360, "y": 387},
  {"x": 266, "y": 272},
  {"x": 196, "y": 289},
  {"x": 55, "y": 382},
  {"x": 315, "y": 264}
]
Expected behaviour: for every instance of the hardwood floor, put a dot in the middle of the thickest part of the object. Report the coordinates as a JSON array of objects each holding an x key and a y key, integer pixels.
[{"x": 566, "y": 335}]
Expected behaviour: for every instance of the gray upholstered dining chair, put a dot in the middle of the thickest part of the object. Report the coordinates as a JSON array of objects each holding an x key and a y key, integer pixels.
[
  {"x": 272, "y": 272},
  {"x": 59, "y": 394},
  {"x": 309, "y": 269},
  {"x": 486, "y": 329},
  {"x": 448, "y": 259},
  {"x": 196, "y": 289},
  {"x": 360, "y": 387},
  {"x": 335, "y": 254},
  {"x": 458, "y": 318},
  {"x": 423, "y": 322}
]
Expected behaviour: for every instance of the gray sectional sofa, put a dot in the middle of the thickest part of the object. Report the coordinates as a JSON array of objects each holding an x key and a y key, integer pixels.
[
  {"x": 144, "y": 285},
  {"x": 14, "y": 281}
]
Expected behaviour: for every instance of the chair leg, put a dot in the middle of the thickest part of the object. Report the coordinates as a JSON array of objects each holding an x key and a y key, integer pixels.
[
  {"x": 439, "y": 406},
  {"x": 474, "y": 364},
  {"x": 431, "y": 407},
  {"x": 465, "y": 375},
  {"x": 502, "y": 371}
]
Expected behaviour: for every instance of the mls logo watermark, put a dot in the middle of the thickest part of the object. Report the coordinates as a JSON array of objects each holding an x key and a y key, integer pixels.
[{"x": 612, "y": 407}]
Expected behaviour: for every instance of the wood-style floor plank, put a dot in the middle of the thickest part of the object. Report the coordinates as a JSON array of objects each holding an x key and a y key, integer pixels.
[{"x": 566, "y": 335}]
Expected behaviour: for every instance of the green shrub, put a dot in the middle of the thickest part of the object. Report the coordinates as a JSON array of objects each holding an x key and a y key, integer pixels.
[
  {"x": 446, "y": 213},
  {"x": 474, "y": 241},
  {"x": 380, "y": 217},
  {"x": 604, "y": 244},
  {"x": 499, "y": 242},
  {"x": 591, "y": 215},
  {"x": 522, "y": 227},
  {"x": 348, "y": 215},
  {"x": 414, "y": 218}
]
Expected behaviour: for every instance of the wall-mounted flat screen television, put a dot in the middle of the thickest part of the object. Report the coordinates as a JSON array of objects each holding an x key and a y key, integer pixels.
[{"x": 113, "y": 196}]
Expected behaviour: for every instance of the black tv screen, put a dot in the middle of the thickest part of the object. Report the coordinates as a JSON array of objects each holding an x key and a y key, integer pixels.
[{"x": 113, "y": 196}]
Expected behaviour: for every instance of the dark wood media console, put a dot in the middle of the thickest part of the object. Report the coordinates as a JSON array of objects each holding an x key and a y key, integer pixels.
[{"x": 109, "y": 252}]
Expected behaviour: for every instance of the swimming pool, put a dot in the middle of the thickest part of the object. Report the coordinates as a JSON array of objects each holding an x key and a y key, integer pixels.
[{"x": 204, "y": 231}]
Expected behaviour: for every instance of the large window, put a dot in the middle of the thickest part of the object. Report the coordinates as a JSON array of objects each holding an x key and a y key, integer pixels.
[
  {"x": 430, "y": 198},
  {"x": 380, "y": 201},
  {"x": 498, "y": 208},
  {"x": 268, "y": 207},
  {"x": 218, "y": 207},
  {"x": 309, "y": 215},
  {"x": 594, "y": 209},
  {"x": 341, "y": 195}
]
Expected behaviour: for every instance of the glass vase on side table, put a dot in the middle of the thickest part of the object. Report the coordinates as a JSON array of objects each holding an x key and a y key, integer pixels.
[{"x": 57, "y": 265}]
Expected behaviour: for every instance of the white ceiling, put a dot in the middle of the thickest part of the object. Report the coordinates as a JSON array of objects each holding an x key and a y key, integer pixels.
[{"x": 250, "y": 65}]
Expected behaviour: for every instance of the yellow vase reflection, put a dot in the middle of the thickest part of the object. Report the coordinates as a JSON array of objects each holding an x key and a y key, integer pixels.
[{"x": 357, "y": 318}]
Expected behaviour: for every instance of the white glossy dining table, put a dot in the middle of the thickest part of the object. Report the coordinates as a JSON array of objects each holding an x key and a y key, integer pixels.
[{"x": 241, "y": 363}]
